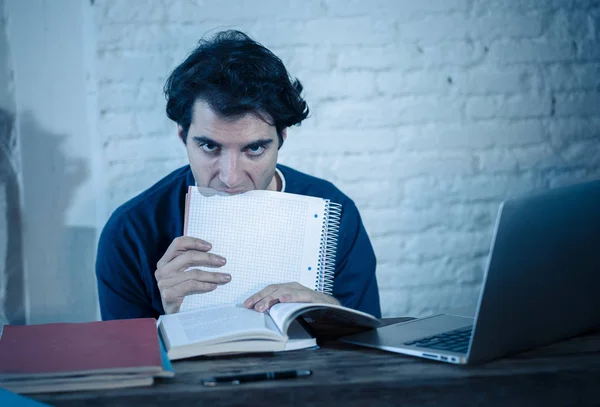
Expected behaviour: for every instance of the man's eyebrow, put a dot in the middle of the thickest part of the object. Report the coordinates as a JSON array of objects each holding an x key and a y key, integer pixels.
[
  {"x": 206, "y": 140},
  {"x": 258, "y": 143}
]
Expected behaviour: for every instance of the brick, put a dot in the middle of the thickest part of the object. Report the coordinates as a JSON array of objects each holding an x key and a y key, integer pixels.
[
  {"x": 151, "y": 36},
  {"x": 492, "y": 81},
  {"x": 583, "y": 153},
  {"x": 462, "y": 54},
  {"x": 152, "y": 122},
  {"x": 334, "y": 141},
  {"x": 594, "y": 23},
  {"x": 316, "y": 166},
  {"x": 518, "y": 106},
  {"x": 402, "y": 8},
  {"x": 382, "y": 193},
  {"x": 306, "y": 59},
  {"x": 164, "y": 147},
  {"x": 566, "y": 130},
  {"x": 427, "y": 301},
  {"x": 570, "y": 77},
  {"x": 240, "y": 10},
  {"x": 519, "y": 159},
  {"x": 364, "y": 114},
  {"x": 116, "y": 67},
  {"x": 434, "y": 272},
  {"x": 445, "y": 27},
  {"x": 394, "y": 302},
  {"x": 141, "y": 11},
  {"x": 569, "y": 23},
  {"x": 122, "y": 96},
  {"x": 409, "y": 56},
  {"x": 397, "y": 56},
  {"x": 336, "y": 85},
  {"x": 429, "y": 109},
  {"x": 562, "y": 178},
  {"x": 350, "y": 31},
  {"x": 578, "y": 104},
  {"x": 290, "y": 34},
  {"x": 400, "y": 219},
  {"x": 409, "y": 83},
  {"x": 405, "y": 165},
  {"x": 433, "y": 244},
  {"x": 354, "y": 168},
  {"x": 122, "y": 171},
  {"x": 135, "y": 123},
  {"x": 471, "y": 136},
  {"x": 527, "y": 5},
  {"x": 116, "y": 124},
  {"x": 452, "y": 189},
  {"x": 471, "y": 272},
  {"x": 588, "y": 51},
  {"x": 531, "y": 51},
  {"x": 407, "y": 274},
  {"x": 504, "y": 25}
]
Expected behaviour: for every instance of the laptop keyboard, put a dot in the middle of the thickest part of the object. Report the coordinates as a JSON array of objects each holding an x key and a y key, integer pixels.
[{"x": 453, "y": 341}]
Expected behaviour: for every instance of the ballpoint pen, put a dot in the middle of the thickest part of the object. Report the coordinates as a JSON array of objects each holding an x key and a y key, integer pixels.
[{"x": 253, "y": 377}]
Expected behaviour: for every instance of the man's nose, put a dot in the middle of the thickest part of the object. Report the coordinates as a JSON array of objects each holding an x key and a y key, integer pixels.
[{"x": 230, "y": 171}]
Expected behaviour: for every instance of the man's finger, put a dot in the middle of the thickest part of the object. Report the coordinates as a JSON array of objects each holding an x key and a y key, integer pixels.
[
  {"x": 253, "y": 299},
  {"x": 194, "y": 275},
  {"x": 180, "y": 245},
  {"x": 266, "y": 303},
  {"x": 173, "y": 296},
  {"x": 191, "y": 258},
  {"x": 297, "y": 296}
]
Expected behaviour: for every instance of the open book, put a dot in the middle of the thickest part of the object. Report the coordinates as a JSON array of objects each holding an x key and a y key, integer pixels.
[
  {"x": 234, "y": 329},
  {"x": 267, "y": 238}
]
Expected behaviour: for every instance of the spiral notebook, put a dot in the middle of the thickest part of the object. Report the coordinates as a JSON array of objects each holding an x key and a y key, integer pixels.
[{"x": 267, "y": 238}]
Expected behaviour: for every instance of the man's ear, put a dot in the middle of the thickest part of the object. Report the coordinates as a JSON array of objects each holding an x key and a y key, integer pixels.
[
  {"x": 283, "y": 137},
  {"x": 180, "y": 133}
]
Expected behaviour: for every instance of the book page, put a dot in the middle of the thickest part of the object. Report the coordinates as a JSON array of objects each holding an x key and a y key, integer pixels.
[
  {"x": 267, "y": 238},
  {"x": 298, "y": 338},
  {"x": 322, "y": 315},
  {"x": 218, "y": 324}
]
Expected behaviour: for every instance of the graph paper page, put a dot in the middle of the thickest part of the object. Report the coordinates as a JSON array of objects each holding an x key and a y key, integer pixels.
[{"x": 267, "y": 238}]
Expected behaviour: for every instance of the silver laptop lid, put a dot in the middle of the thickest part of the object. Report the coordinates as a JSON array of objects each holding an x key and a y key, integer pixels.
[{"x": 543, "y": 273}]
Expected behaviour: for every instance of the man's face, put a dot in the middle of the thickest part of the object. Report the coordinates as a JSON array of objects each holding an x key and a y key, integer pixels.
[{"x": 231, "y": 155}]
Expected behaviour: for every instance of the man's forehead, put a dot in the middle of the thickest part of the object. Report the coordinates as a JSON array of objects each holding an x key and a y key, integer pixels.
[{"x": 245, "y": 129}]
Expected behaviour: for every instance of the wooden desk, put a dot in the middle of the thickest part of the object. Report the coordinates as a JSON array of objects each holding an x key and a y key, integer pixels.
[{"x": 563, "y": 374}]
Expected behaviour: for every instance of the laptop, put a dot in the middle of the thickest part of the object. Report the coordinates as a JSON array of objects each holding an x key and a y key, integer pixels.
[{"x": 542, "y": 285}]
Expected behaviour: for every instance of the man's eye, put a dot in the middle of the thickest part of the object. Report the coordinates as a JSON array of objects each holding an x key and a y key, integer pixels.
[
  {"x": 209, "y": 148},
  {"x": 256, "y": 150}
]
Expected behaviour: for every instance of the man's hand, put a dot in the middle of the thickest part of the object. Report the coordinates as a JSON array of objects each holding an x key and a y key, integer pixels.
[
  {"x": 287, "y": 292},
  {"x": 174, "y": 283}
]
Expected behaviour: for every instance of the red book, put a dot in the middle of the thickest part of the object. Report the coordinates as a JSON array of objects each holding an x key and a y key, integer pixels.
[{"x": 70, "y": 349}]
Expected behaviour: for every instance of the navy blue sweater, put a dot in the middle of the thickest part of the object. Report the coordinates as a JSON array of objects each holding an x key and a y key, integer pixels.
[{"x": 139, "y": 232}]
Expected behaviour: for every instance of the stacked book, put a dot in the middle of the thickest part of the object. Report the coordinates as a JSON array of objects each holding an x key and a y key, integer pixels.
[{"x": 81, "y": 356}]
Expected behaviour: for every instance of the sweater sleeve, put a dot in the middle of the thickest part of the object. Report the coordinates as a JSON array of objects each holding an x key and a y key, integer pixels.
[
  {"x": 355, "y": 283},
  {"x": 121, "y": 289}
]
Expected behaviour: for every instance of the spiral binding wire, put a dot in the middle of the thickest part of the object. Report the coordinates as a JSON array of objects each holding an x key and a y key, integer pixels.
[{"x": 328, "y": 247}]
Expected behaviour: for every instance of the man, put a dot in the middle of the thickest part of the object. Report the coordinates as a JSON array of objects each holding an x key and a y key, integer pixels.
[{"x": 232, "y": 100}]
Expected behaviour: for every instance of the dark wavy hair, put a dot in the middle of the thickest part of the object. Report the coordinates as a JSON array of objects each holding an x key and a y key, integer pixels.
[{"x": 235, "y": 75}]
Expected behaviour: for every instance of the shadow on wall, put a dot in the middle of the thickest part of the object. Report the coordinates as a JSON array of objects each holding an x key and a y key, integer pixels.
[
  {"x": 12, "y": 278},
  {"x": 60, "y": 282}
]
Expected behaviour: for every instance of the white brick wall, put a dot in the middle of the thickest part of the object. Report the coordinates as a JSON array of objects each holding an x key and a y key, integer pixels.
[{"x": 427, "y": 113}]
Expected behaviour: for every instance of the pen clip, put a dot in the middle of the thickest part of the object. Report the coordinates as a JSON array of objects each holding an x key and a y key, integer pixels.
[{"x": 213, "y": 383}]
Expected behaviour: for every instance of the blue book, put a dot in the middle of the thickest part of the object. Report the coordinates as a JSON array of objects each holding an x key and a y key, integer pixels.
[
  {"x": 10, "y": 399},
  {"x": 166, "y": 363}
]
